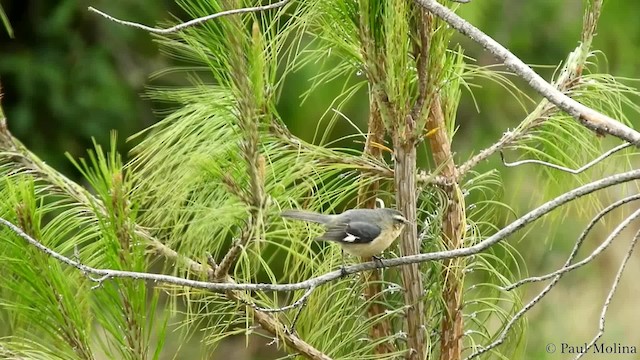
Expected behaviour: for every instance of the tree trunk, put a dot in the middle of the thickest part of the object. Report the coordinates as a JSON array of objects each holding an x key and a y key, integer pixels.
[
  {"x": 405, "y": 182},
  {"x": 453, "y": 232}
]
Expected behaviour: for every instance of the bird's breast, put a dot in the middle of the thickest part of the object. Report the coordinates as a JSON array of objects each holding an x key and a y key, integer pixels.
[{"x": 375, "y": 247}]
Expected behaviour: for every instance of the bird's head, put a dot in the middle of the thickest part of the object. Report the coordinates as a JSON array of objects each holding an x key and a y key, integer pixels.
[{"x": 396, "y": 217}]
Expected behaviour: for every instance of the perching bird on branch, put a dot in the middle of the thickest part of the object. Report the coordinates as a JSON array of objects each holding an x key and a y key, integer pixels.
[{"x": 360, "y": 232}]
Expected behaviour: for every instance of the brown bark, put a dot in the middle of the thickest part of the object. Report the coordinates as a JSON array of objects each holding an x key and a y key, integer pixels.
[
  {"x": 453, "y": 231},
  {"x": 405, "y": 182}
]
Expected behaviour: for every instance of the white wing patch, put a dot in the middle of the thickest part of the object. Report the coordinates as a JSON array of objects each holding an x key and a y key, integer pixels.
[{"x": 350, "y": 238}]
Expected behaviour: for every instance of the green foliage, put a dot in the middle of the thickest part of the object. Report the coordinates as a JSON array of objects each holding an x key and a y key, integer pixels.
[
  {"x": 127, "y": 314},
  {"x": 47, "y": 302},
  {"x": 39, "y": 292},
  {"x": 192, "y": 183},
  {"x": 202, "y": 208},
  {"x": 5, "y": 22}
]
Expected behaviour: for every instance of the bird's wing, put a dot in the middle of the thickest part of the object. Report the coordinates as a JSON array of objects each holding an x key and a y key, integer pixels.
[{"x": 353, "y": 232}]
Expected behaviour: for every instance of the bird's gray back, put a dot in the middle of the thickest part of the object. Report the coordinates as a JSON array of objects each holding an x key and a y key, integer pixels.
[{"x": 357, "y": 214}]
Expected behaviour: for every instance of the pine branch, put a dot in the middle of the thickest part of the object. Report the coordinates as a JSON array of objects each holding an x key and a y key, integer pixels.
[
  {"x": 68, "y": 331},
  {"x": 405, "y": 155},
  {"x": 590, "y": 118},
  {"x": 248, "y": 119},
  {"x": 14, "y": 151},
  {"x": 366, "y": 165},
  {"x": 570, "y": 75},
  {"x": 105, "y": 274},
  {"x": 367, "y": 194}
]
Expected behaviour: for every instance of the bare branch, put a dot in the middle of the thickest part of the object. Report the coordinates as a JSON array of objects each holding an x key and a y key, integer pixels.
[
  {"x": 352, "y": 269},
  {"x": 189, "y": 23},
  {"x": 562, "y": 168},
  {"x": 570, "y": 73},
  {"x": 586, "y": 260},
  {"x": 582, "y": 236},
  {"x": 590, "y": 118},
  {"x": 507, "y": 328},
  {"x": 612, "y": 291},
  {"x": 507, "y": 138}
]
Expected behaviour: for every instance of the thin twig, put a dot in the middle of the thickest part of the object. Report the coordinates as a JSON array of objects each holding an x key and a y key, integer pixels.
[
  {"x": 292, "y": 327},
  {"x": 248, "y": 118},
  {"x": 507, "y": 328},
  {"x": 612, "y": 291},
  {"x": 212, "y": 262},
  {"x": 569, "y": 75},
  {"x": 585, "y": 232},
  {"x": 299, "y": 302},
  {"x": 586, "y": 260},
  {"x": 189, "y": 23},
  {"x": 352, "y": 269},
  {"x": 590, "y": 118},
  {"x": 563, "y": 168}
]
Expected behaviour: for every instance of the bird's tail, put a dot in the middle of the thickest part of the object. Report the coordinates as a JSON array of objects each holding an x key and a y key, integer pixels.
[{"x": 306, "y": 216}]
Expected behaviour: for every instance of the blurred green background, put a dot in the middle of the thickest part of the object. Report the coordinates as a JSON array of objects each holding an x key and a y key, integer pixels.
[{"x": 69, "y": 76}]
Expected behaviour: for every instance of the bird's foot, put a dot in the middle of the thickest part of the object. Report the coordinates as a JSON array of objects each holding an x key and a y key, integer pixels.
[
  {"x": 378, "y": 260},
  {"x": 343, "y": 270}
]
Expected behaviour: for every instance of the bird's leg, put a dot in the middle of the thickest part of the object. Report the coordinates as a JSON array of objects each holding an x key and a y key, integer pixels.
[
  {"x": 343, "y": 271},
  {"x": 378, "y": 260}
]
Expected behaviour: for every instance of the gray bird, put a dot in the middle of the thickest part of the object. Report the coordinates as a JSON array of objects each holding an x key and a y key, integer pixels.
[{"x": 360, "y": 232}]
